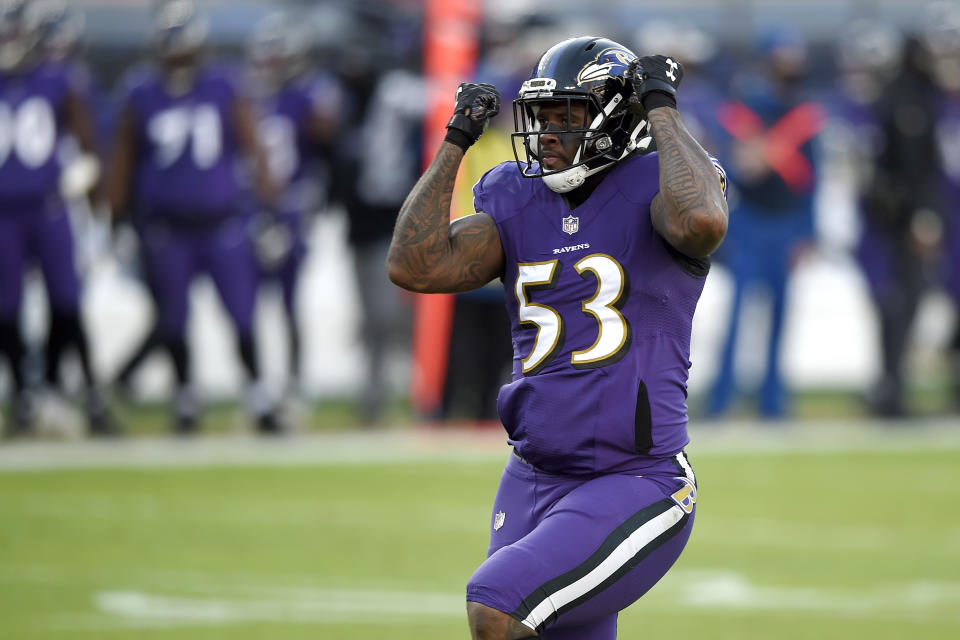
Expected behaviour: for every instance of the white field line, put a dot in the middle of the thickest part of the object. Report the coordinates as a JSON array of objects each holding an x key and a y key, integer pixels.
[
  {"x": 732, "y": 591},
  {"x": 424, "y": 445},
  {"x": 826, "y": 538},
  {"x": 151, "y": 452},
  {"x": 682, "y": 590},
  {"x": 315, "y": 605}
]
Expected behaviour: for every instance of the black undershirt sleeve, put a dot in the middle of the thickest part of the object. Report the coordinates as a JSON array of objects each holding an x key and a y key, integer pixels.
[{"x": 694, "y": 266}]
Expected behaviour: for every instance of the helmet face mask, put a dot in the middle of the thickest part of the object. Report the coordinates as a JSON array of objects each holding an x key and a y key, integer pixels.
[
  {"x": 60, "y": 29},
  {"x": 580, "y": 83},
  {"x": 19, "y": 35},
  {"x": 278, "y": 51},
  {"x": 179, "y": 34}
]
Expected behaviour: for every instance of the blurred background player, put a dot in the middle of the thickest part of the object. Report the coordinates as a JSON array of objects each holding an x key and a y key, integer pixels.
[
  {"x": 770, "y": 125},
  {"x": 379, "y": 160},
  {"x": 905, "y": 212},
  {"x": 62, "y": 29},
  {"x": 185, "y": 132},
  {"x": 298, "y": 111},
  {"x": 943, "y": 40},
  {"x": 42, "y": 104},
  {"x": 868, "y": 60}
]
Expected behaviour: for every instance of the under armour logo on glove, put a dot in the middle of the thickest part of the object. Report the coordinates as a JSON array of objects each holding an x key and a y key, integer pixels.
[
  {"x": 660, "y": 73},
  {"x": 655, "y": 80},
  {"x": 673, "y": 68}
]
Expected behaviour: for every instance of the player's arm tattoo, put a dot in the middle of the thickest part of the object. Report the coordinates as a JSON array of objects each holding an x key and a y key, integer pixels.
[
  {"x": 430, "y": 254},
  {"x": 690, "y": 211}
]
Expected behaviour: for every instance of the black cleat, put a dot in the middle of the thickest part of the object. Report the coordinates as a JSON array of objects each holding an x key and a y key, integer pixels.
[
  {"x": 101, "y": 424},
  {"x": 99, "y": 421},
  {"x": 269, "y": 424},
  {"x": 22, "y": 418},
  {"x": 185, "y": 424},
  {"x": 122, "y": 388}
]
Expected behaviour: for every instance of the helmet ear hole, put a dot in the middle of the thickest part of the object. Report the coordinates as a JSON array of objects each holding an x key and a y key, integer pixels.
[{"x": 601, "y": 144}]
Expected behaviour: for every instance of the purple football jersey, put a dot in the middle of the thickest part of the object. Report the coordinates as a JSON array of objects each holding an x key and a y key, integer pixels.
[
  {"x": 601, "y": 312},
  {"x": 188, "y": 155},
  {"x": 284, "y": 118},
  {"x": 948, "y": 137},
  {"x": 32, "y": 125}
]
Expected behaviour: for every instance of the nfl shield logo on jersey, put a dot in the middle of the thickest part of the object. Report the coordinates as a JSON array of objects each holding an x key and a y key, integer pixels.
[
  {"x": 571, "y": 224},
  {"x": 498, "y": 519}
]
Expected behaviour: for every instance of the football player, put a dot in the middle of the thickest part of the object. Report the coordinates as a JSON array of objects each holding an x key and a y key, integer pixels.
[
  {"x": 42, "y": 103},
  {"x": 868, "y": 59},
  {"x": 770, "y": 127},
  {"x": 373, "y": 180},
  {"x": 603, "y": 246},
  {"x": 61, "y": 31},
  {"x": 906, "y": 209},
  {"x": 943, "y": 39},
  {"x": 184, "y": 128},
  {"x": 298, "y": 111}
]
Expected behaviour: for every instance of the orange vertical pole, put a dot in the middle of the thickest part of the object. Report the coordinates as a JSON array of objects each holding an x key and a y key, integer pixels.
[{"x": 450, "y": 55}]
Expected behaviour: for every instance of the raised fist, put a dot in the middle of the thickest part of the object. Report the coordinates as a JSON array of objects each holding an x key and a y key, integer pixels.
[
  {"x": 476, "y": 104},
  {"x": 655, "y": 80}
]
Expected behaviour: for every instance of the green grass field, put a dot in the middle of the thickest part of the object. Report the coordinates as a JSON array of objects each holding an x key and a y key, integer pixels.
[{"x": 806, "y": 531}]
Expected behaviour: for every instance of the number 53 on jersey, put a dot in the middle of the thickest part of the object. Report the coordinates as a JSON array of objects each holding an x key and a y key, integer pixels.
[{"x": 613, "y": 330}]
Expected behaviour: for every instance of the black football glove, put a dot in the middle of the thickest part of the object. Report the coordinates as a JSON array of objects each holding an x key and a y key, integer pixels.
[
  {"x": 476, "y": 104},
  {"x": 655, "y": 80}
]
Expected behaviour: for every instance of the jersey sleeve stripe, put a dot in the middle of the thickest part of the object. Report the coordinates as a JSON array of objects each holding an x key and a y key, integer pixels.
[{"x": 721, "y": 174}]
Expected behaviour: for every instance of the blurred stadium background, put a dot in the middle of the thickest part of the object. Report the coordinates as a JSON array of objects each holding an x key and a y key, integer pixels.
[
  {"x": 830, "y": 335},
  {"x": 828, "y": 525}
]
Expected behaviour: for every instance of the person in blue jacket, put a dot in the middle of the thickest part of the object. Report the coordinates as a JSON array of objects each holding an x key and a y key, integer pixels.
[{"x": 770, "y": 126}]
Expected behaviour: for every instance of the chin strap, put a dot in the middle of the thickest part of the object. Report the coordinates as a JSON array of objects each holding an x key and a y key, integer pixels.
[
  {"x": 642, "y": 143},
  {"x": 567, "y": 180}
]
